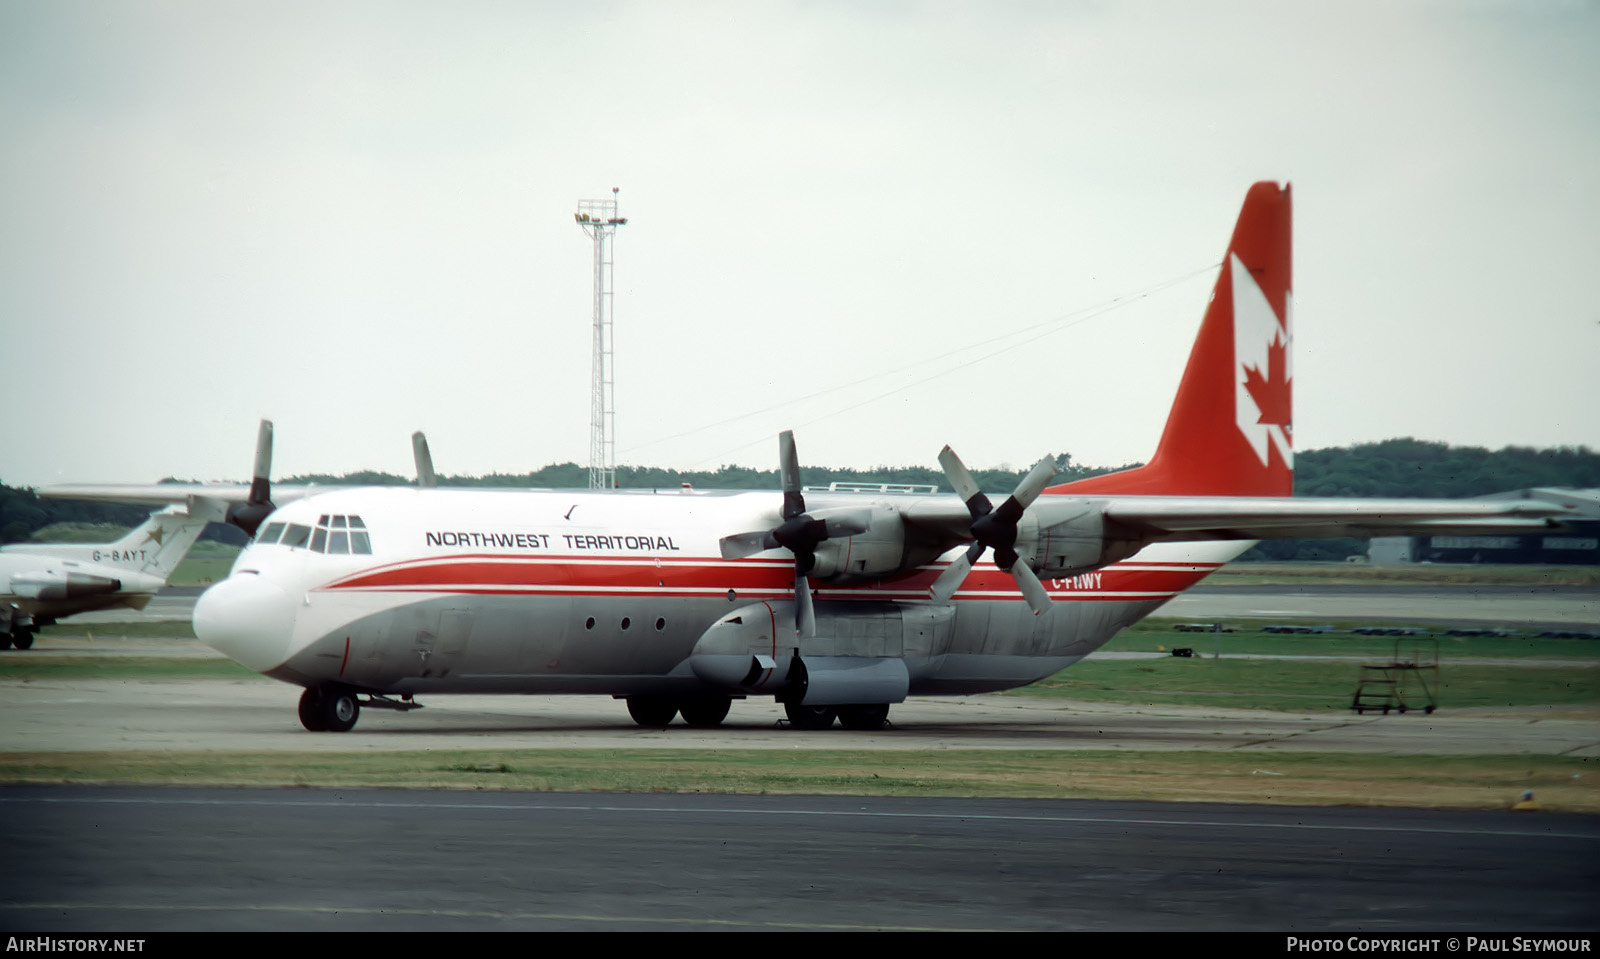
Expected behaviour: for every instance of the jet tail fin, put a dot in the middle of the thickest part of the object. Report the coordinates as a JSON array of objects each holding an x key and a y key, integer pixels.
[
  {"x": 1230, "y": 431},
  {"x": 154, "y": 548}
]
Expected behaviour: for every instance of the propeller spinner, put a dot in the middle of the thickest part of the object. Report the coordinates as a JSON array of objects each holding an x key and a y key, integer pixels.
[
  {"x": 995, "y": 529},
  {"x": 800, "y": 533}
]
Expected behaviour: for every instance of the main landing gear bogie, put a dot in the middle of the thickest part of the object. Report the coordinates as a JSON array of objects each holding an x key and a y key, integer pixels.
[
  {"x": 658, "y": 712},
  {"x": 21, "y": 638},
  {"x": 864, "y": 716}
]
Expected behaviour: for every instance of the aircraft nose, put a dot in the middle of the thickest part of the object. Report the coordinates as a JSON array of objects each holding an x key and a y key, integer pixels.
[{"x": 248, "y": 620}]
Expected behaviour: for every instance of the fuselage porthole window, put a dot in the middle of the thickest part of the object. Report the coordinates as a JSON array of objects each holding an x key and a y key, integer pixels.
[
  {"x": 589, "y": 623},
  {"x": 660, "y": 624}
]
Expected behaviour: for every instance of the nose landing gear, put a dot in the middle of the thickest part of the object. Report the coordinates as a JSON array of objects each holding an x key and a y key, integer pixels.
[
  {"x": 329, "y": 709},
  {"x": 334, "y": 708}
]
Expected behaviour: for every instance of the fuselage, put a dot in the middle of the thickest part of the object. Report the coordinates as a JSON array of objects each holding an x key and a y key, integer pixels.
[
  {"x": 405, "y": 590},
  {"x": 48, "y": 586}
]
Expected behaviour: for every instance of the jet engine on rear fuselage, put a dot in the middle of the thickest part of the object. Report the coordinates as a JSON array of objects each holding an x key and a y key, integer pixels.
[{"x": 52, "y": 585}]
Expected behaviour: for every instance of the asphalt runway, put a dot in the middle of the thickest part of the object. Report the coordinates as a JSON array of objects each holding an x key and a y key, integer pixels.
[{"x": 84, "y": 859}]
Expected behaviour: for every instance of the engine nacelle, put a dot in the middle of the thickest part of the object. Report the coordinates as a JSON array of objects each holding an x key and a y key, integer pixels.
[
  {"x": 61, "y": 585},
  {"x": 874, "y": 554},
  {"x": 1073, "y": 545}
]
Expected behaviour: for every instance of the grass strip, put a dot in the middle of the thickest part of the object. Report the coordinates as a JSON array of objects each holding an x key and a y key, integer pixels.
[
  {"x": 140, "y": 629},
  {"x": 1299, "y": 686},
  {"x": 1159, "y": 635},
  {"x": 1421, "y": 574},
  {"x": 31, "y": 669},
  {"x": 1464, "y": 782}
]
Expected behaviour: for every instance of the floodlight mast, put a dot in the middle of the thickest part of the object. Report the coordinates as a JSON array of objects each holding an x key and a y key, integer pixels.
[{"x": 599, "y": 220}]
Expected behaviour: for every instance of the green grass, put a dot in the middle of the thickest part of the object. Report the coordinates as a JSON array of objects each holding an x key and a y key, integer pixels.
[
  {"x": 202, "y": 570},
  {"x": 1562, "y": 783},
  {"x": 29, "y": 668},
  {"x": 1298, "y": 686},
  {"x": 1157, "y": 635},
  {"x": 1420, "y": 574},
  {"x": 149, "y": 629}
]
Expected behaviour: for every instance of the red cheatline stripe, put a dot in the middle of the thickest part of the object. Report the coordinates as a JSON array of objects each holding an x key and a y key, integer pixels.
[{"x": 686, "y": 578}]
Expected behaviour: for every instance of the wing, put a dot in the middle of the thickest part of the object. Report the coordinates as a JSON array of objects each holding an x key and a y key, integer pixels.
[
  {"x": 1061, "y": 533},
  {"x": 156, "y": 494},
  {"x": 1168, "y": 519}
]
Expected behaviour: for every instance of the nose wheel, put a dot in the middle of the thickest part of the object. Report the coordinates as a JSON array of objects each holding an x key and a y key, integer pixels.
[{"x": 329, "y": 709}]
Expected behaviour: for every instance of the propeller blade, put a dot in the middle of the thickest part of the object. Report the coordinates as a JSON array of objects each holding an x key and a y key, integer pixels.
[
  {"x": 419, "y": 452},
  {"x": 1032, "y": 589},
  {"x": 960, "y": 480},
  {"x": 950, "y": 580},
  {"x": 249, "y": 515},
  {"x": 805, "y": 617},
  {"x": 1034, "y": 483},
  {"x": 260, "y": 482},
  {"x": 789, "y": 466},
  {"x": 740, "y": 545}
]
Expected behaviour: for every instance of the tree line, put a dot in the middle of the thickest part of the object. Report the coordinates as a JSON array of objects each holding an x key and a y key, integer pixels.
[{"x": 1391, "y": 468}]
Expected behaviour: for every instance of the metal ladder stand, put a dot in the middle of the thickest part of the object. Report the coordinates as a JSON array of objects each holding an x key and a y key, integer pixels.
[{"x": 1387, "y": 686}]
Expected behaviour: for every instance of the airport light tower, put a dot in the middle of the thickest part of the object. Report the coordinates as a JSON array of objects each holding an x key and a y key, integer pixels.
[{"x": 599, "y": 220}]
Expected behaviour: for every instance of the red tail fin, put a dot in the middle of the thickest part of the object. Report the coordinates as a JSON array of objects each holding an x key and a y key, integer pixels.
[{"x": 1230, "y": 431}]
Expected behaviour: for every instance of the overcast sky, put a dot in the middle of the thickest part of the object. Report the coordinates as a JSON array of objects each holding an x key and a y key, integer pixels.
[{"x": 888, "y": 226}]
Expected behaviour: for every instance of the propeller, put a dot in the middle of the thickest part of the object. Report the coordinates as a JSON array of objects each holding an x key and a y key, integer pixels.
[
  {"x": 800, "y": 533},
  {"x": 995, "y": 529},
  {"x": 249, "y": 515},
  {"x": 419, "y": 451}
]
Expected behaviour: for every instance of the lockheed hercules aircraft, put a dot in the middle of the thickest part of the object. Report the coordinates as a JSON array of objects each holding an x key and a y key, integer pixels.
[
  {"x": 43, "y": 582},
  {"x": 837, "y": 604}
]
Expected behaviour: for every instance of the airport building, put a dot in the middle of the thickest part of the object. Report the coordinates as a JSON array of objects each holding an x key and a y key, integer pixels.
[{"x": 1578, "y": 545}]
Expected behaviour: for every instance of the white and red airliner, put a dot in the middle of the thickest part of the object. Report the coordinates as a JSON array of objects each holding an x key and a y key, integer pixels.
[{"x": 837, "y": 604}]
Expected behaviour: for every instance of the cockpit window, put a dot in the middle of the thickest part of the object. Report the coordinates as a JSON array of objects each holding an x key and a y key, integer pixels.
[
  {"x": 296, "y": 535},
  {"x": 335, "y": 535},
  {"x": 271, "y": 533}
]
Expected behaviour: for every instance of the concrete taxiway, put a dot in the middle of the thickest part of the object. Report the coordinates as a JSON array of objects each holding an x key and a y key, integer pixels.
[{"x": 249, "y": 714}]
